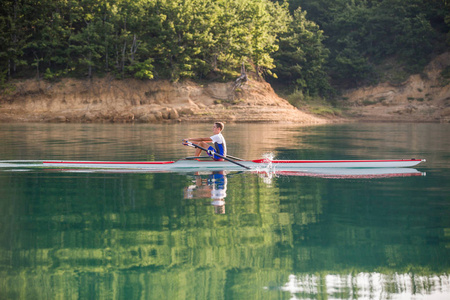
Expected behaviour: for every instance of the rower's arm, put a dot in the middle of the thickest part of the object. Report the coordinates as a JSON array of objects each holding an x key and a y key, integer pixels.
[{"x": 208, "y": 140}]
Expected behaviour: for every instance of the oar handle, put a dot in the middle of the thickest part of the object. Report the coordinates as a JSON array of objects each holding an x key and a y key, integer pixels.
[{"x": 187, "y": 143}]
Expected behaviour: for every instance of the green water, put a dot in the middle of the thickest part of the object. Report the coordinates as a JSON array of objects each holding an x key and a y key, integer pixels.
[{"x": 82, "y": 235}]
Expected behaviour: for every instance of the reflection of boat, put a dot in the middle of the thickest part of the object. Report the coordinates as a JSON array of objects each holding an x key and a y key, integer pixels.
[
  {"x": 269, "y": 171},
  {"x": 347, "y": 173},
  {"x": 228, "y": 165}
]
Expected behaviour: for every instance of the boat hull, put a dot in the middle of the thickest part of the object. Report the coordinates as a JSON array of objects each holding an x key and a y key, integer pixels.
[{"x": 226, "y": 165}]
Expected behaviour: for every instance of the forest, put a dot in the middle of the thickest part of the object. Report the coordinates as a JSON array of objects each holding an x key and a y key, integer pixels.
[{"x": 312, "y": 46}]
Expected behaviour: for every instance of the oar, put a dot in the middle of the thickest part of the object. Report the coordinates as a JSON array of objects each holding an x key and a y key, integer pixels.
[
  {"x": 186, "y": 143},
  {"x": 234, "y": 157}
]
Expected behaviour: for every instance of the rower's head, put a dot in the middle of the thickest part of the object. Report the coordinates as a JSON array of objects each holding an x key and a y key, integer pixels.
[{"x": 218, "y": 127}]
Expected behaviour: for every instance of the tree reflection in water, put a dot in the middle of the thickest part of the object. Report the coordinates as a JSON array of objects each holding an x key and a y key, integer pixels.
[{"x": 306, "y": 236}]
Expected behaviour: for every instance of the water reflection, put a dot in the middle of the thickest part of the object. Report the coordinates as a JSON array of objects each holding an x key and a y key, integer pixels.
[
  {"x": 212, "y": 185},
  {"x": 339, "y": 173},
  {"x": 305, "y": 235},
  {"x": 109, "y": 235},
  {"x": 366, "y": 286}
]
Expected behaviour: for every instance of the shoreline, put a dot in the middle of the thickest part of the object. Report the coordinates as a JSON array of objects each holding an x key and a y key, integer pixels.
[
  {"x": 105, "y": 100},
  {"x": 421, "y": 98}
]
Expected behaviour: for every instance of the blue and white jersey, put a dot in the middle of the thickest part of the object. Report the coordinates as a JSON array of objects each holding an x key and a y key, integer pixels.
[
  {"x": 219, "y": 144},
  {"x": 218, "y": 182}
]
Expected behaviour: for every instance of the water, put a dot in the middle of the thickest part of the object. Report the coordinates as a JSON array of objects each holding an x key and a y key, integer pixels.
[{"x": 82, "y": 235}]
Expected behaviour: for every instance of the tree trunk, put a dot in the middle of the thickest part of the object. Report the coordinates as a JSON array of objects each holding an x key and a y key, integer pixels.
[
  {"x": 123, "y": 58},
  {"x": 90, "y": 65},
  {"x": 134, "y": 47}
]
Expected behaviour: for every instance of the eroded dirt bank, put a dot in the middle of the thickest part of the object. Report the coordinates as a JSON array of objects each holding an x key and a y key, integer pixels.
[
  {"x": 124, "y": 101},
  {"x": 421, "y": 98}
]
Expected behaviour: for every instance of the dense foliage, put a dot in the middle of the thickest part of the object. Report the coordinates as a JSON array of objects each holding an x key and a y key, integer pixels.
[
  {"x": 361, "y": 34},
  {"x": 304, "y": 43},
  {"x": 146, "y": 38}
]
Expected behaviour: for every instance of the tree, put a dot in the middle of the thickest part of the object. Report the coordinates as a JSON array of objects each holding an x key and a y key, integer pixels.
[
  {"x": 302, "y": 56},
  {"x": 363, "y": 33},
  {"x": 268, "y": 20},
  {"x": 15, "y": 33}
]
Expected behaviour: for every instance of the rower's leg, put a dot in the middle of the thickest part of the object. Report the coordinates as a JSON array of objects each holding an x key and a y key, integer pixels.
[{"x": 198, "y": 151}]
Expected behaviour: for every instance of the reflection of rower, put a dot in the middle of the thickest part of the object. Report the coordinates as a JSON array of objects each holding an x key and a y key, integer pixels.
[
  {"x": 215, "y": 187},
  {"x": 218, "y": 183}
]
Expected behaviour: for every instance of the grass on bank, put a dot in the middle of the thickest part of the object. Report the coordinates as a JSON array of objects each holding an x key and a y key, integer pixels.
[{"x": 314, "y": 105}]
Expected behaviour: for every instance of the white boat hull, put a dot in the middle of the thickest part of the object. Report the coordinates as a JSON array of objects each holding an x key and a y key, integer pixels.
[
  {"x": 226, "y": 165},
  {"x": 335, "y": 169}
]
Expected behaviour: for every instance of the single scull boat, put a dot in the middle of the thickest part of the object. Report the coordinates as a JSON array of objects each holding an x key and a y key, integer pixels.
[{"x": 227, "y": 165}]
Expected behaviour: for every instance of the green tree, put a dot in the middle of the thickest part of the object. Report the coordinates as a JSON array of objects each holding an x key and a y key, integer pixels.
[
  {"x": 267, "y": 21},
  {"x": 177, "y": 39},
  {"x": 86, "y": 47},
  {"x": 413, "y": 36},
  {"x": 363, "y": 33},
  {"x": 302, "y": 56},
  {"x": 15, "y": 32}
]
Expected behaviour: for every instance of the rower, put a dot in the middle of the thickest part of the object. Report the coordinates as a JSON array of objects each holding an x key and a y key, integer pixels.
[{"x": 220, "y": 146}]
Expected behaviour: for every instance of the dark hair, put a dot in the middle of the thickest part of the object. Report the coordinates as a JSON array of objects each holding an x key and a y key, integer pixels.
[{"x": 220, "y": 125}]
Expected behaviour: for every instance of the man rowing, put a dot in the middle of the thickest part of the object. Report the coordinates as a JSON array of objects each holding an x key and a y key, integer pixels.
[{"x": 220, "y": 146}]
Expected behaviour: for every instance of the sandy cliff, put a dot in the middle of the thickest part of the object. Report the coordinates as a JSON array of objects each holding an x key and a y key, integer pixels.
[
  {"x": 422, "y": 98},
  {"x": 109, "y": 100}
]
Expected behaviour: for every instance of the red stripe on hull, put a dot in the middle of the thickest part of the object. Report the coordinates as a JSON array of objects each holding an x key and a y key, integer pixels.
[
  {"x": 329, "y": 161},
  {"x": 111, "y": 162}
]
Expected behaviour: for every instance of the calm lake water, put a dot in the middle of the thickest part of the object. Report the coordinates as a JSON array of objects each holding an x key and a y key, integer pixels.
[{"x": 84, "y": 235}]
